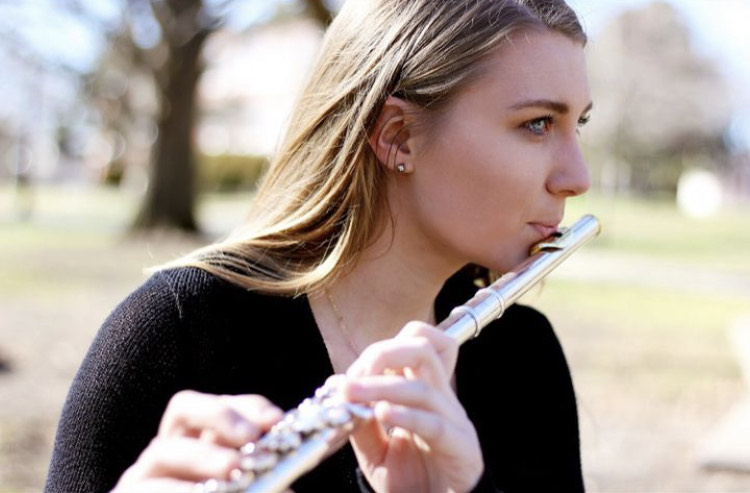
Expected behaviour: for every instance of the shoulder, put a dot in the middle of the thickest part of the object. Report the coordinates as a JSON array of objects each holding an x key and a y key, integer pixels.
[
  {"x": 188, "y": 284},
  {"x": 193, "y": 291},
  {"x": 213, "y": 314},
  {"x": 184, "y": 304}
]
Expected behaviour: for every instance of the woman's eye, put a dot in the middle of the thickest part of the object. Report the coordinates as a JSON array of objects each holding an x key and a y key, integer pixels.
[
  {"x": 540, "y": 126},
  {"x": 583, "y": 120}
]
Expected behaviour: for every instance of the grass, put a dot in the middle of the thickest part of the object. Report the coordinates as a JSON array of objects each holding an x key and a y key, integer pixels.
[
  {"x": 657, "y": 229},
  {"x": 76, "y": 235},
  {"x": 642, "y": 313}
]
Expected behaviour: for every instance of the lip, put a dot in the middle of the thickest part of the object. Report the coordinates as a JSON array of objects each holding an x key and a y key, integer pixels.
[{"x": 545, "y": 229}]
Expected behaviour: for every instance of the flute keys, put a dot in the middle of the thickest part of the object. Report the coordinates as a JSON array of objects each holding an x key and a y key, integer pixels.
[
  {"x": 214, "y": 486},
  {"x": 258, "y": 461},
  {"x": 336, "y": 416},
  {"x": 281, "y": 442},
  {"x": 360, "y": 411},
  {"x": 241, "y": 480}
]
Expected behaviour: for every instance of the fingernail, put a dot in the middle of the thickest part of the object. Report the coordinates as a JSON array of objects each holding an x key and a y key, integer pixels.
[{"x": 271, "y": 414}]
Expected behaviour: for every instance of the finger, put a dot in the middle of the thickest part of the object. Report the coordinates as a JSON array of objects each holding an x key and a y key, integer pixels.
[
  {"x": 429, "y": 426},
  {"x": 183, "y": 458},
  {"x": 397, "y": 390},
  {"x": 445, "y": 346},
  {"x": 370, "y": 438},
  {"x": 414, "y": 353},
  {"x": 255, "y": 408},
  {"x": 224, "y": 420},
  {"x": 156, "y": 486}
]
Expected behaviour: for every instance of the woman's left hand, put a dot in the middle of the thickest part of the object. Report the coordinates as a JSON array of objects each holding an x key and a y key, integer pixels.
[{"x": 421, "y": 439}]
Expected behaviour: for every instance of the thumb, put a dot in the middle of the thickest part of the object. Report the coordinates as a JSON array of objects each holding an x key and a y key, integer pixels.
[{"x": 370, "y": 441}]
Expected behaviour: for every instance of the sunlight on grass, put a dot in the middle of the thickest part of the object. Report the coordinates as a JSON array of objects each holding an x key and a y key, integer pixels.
[
  {"x": 645, "y": 346},
  {"x": 657, "y": 229},
  {"x": 654, "y": 309}
]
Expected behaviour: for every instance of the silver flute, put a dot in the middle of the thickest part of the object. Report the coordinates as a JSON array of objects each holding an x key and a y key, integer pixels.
[{"x": 322, "y": 424}]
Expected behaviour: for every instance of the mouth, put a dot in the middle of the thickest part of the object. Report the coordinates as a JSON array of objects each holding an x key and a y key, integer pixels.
[{"x": 545, "y": 229}]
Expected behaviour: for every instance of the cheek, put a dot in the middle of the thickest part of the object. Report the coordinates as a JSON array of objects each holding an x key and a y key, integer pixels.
[
  {"x": 482, "y": 185},
  {"x": 473, "y": 199}
]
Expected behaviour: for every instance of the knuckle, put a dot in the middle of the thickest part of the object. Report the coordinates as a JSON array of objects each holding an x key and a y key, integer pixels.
[
  {"x": 374, "y": 356},
  {"x": 422, "y": 389},
  {"x": 181, "y": 399},
  {"x": 153, "y": 454},
  {"x": 423, "y": 344},
  {"x": 439, "y": 428},
  {"x": 225, "y": 414},
  {"x": 246, "y": 401},
  {"x": 415, "y": 328},
  {"x": 222, "y": 463},
  {"x": 259, "y": 400}
]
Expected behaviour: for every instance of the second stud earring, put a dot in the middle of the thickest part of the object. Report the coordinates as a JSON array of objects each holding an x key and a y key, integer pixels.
[{"x": 401, "y": 168}]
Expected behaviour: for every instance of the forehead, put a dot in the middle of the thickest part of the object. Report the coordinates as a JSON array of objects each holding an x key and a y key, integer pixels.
[{"x": 535, "y": 64}]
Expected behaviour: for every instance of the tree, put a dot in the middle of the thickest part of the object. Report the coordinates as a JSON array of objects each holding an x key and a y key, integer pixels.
[
  {"x": 659, "y": 104},
  {"x": 184, "y": 27},
  {"x": 169, "y": 197}
]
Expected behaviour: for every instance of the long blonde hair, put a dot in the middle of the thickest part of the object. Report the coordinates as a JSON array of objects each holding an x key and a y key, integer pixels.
[{"x": 320, "y": 201}]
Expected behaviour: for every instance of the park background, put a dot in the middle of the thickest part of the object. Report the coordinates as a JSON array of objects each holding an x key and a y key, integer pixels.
[{"x": 653, "y": 315}]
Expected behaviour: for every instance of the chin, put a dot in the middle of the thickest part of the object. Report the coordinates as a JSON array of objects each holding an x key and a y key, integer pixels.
[{"x": 507, "y": 262}]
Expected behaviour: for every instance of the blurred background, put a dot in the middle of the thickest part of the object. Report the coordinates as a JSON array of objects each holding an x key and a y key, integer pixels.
[{"x": 132, "y": 131}]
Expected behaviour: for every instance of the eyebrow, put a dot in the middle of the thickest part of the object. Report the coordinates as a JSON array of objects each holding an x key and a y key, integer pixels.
[{"x": 548, "y": 104}]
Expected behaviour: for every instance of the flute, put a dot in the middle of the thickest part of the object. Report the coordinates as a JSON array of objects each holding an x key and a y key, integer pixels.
[{"x": 321, "y": 424}]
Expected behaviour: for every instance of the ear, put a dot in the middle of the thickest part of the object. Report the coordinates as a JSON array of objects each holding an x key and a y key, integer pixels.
[{"x": 391, "y": 136}]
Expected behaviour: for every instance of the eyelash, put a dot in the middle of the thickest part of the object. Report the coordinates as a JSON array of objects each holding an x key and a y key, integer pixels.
[{"x": 548, "y": 121}]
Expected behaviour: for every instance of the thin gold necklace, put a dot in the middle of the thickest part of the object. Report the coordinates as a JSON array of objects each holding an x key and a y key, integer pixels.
[{"x": 342, "y": 324}]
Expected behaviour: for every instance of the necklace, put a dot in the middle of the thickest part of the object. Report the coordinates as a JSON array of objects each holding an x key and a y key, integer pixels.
[{"x": 342, "y": 324}]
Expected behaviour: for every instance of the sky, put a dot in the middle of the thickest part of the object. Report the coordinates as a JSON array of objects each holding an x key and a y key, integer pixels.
[
  {"x": 719, "y": 27},
  {"x": 719, "y": 30}
]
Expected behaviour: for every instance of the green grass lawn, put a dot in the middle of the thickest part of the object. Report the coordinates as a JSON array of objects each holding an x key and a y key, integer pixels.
[
  {"x": 658, "y": 230},
  {"x": 661, "y": 294},
  {"x": 642, "y": 313}
]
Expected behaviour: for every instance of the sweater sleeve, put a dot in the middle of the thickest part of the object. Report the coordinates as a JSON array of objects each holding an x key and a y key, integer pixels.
[{"x": 119, "y": 393}]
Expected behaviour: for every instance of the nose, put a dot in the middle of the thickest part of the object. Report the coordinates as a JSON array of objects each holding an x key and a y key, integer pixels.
[{"x": 570, "y": 175}]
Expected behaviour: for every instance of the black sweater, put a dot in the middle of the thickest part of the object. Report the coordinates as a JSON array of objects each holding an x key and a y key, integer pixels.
[{"x": 186, "y": 329}]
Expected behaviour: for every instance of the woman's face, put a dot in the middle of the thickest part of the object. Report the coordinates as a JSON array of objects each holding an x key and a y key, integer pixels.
[{"x": 491, "y": 177}]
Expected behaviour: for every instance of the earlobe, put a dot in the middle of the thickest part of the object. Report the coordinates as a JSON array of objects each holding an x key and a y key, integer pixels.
[{"x": 390, "y": 138}]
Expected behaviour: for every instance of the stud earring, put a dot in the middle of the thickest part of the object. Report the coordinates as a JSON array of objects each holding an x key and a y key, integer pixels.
[{"x": 401, "y": 168}]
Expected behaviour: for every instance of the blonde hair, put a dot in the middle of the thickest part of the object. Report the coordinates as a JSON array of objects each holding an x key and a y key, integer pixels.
[{"x": 319, "y": 203}]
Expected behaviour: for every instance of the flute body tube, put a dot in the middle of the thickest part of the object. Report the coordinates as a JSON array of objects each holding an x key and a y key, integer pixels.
[{"x": 323, "y": 423}]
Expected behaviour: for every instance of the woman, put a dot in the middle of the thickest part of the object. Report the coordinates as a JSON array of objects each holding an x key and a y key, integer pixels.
[{"x": 434, "y": 135}]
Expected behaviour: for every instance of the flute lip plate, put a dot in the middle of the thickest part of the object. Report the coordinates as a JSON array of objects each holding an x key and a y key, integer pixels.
[{"x": 554, "y": 242}]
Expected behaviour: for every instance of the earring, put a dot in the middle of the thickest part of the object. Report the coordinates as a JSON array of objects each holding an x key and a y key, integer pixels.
[{"x": 401, "y": 168}]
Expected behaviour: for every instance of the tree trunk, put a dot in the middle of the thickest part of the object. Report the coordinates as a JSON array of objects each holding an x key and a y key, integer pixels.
[
  {"x": 170, "y": 198},
  {"x": 319, "y": 11}
]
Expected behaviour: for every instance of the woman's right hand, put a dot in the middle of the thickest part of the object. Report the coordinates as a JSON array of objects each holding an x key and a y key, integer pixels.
[
  {"x": 421, "y": 438},
  {"x": 198, "y": 439}
]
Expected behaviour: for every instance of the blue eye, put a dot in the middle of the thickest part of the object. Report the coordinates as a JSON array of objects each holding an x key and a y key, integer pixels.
[{"x": 539, "y": 126}]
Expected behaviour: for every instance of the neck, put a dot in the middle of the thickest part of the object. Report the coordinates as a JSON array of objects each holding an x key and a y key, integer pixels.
[{"x": 393, "y": 282}]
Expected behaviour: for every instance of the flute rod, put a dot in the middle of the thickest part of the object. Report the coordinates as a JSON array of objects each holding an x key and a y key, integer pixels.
[
  {"x": 488, "y": 304},
  {"x": 322, "y": 424}
]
